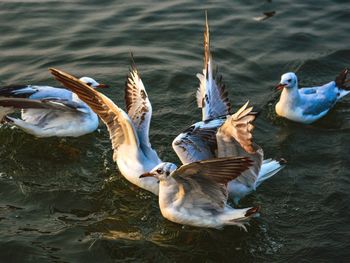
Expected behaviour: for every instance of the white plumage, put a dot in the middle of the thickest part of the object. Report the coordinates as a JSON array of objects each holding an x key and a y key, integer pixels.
[
  {"x": 196, "y": 194},
  {"x": 307, "y": 105},
  {"x": 221, "y": 134},
  {"x": 48, "y": 111}
]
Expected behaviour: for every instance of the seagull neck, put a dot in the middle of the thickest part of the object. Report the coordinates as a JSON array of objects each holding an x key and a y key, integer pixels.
[
  {"x": 290, "y": 95},
  {"x": 168, "y": 191}
]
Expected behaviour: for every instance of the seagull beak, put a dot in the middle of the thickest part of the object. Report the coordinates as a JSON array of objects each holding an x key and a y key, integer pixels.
[
  {"x": 102, "y": 86},
  {"x": 280, "y": 86},
  {"x": 146, "y": 175}
]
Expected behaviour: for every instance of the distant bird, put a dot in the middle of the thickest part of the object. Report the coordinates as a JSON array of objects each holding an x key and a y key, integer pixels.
[
  {"x": 221, "y": 134},
  {"x": 196, "y": 194},
  {"x": 307, "y": 105},
  {"x": 48, "y": 111}
]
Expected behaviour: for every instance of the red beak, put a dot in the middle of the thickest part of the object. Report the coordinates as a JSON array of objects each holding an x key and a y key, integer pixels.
[
  {"x": 102, "y": 86},
  {"x": 280, "y": 86}
]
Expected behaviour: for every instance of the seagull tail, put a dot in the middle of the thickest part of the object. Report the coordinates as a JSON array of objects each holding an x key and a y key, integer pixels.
[
  {"x": 341, "y": 80},
  {"x": 241, "y": 217},
  {"x": 4, "y": 111},
  {"x": 268, "y": 169}
]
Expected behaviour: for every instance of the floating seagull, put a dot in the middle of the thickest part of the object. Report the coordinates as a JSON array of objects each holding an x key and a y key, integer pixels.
[
  {"x": 196, "y": 194},
  {"x": 128, "y": 131},
  {"x": 220, "y": 134},
  {"x": 307, "y": 105},
  {"x": 48, "y": 111}
]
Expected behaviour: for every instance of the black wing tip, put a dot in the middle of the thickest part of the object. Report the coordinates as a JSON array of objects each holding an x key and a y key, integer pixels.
[
  {"x": 253, "y": 211},
  {"x": 132, "y": 59},
  {"x": 282, "y": 161},
  {"x": 341, "y": 79}
]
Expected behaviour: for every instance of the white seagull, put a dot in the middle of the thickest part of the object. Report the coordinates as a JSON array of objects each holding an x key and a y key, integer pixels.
[
  {"x": 48, "y": 111},
  {"x": 196, "y": 194},
  {"x": 220, "y": 134},
  {"x": 307, "y": 105},
  {"x": 128, "y": 131}
]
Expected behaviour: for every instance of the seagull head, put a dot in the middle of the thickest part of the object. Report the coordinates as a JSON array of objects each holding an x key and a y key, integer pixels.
[
  {"x": 288, "y": 80},
  {"x": 161, "y": 171},
  {"x": 92, "y": 83}
]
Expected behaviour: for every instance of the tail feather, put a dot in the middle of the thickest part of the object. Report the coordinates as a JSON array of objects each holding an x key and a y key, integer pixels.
[
  {"x": 268, "y": 169},
  {"x": 341, "y": 79},
  {"x": 241, "y": 217}
]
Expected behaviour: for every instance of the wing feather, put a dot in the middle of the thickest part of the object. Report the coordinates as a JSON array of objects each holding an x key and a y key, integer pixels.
[
  {"x": 139, "y": 109},
  {"x": 138, "y": 105},
  {"x": 234, "y": 138},
  {"x": 51, "y": 104},
  {"x": 120, "y": 127},
  {"x": 212, "y": 96},
  {"x": 204, "y": 182},
  {"x": 198, "y": 142}
]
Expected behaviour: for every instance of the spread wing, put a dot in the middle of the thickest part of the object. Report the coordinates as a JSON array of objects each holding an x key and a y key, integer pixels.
[
  {"x": 212, "y": 96},
  {"x": 139, "y": 109},
  {"x": 198, "y": 142},
  {"x": 138, "y": 105},
  {"x": 234, "y": 138},
  {"x": 120, "y": 127},
  {"x": 238, "y": 128},
  {"x": 203, "y": 184}
]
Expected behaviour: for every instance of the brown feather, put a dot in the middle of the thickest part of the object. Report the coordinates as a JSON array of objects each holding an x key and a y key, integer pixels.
[{"x": 120, "y": 129}]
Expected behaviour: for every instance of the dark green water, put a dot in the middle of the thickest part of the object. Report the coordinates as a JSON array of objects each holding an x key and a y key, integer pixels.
[{"x": 63, "y": 200}]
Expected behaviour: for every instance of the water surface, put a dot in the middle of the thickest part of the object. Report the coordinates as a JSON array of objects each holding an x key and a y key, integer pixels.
[{"x": 63, "y": 200}]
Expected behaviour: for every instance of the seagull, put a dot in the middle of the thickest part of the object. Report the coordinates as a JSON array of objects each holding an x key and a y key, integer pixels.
[
  {"x": 196, "y": 194},
  {"x": 48, "y": 111},
  {"x": 307, "y": 105},
  {"x": 128, "y": 131},
  {"x": 222, "y": 134}
]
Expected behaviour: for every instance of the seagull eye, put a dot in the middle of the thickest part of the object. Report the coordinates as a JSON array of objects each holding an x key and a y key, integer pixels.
[
  {"x": 159, "y": 171},
  {"x": 289, "y": 80},
  {"x": 89, "y": 84}
]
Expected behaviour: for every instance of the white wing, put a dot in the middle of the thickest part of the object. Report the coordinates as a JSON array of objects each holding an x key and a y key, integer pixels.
[
  {"x": 198, "y": 142},
  {"x": 139, "y": 109},
  {"x": 211, "y": 95}
]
